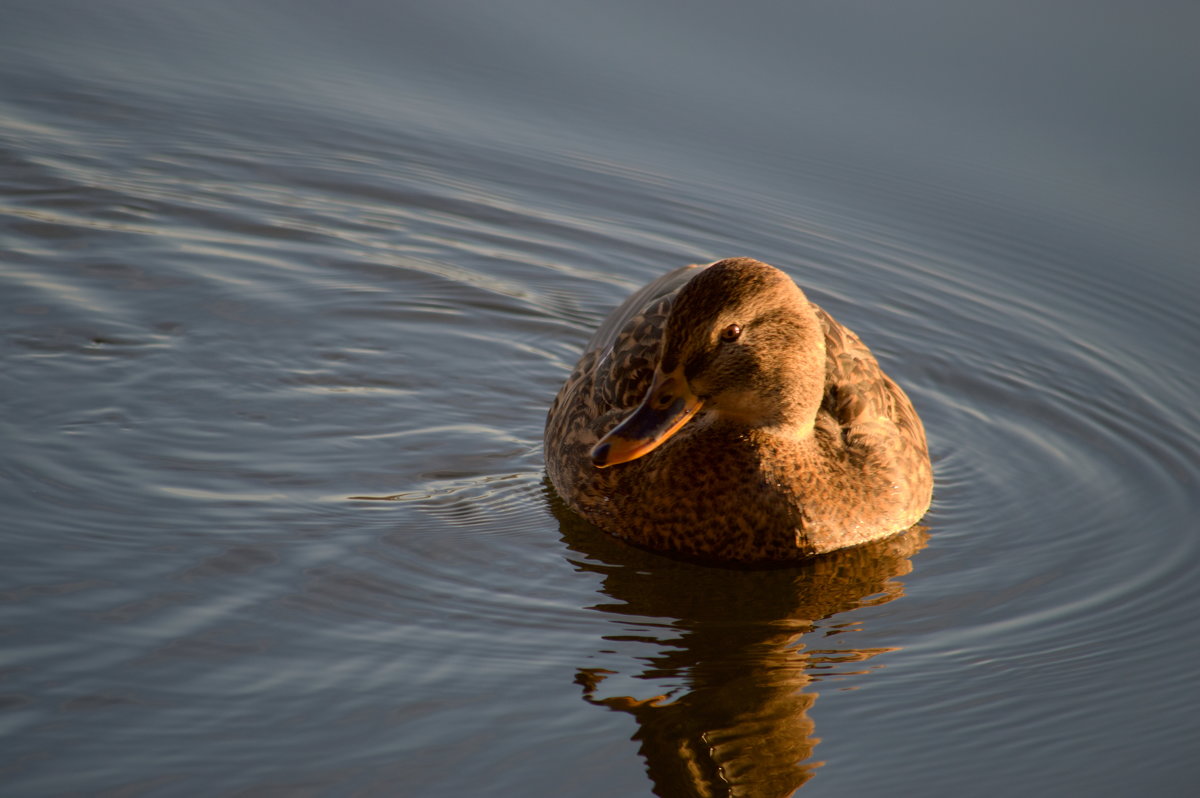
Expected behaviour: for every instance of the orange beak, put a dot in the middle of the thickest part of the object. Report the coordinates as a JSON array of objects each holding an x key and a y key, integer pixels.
[{"x": 668, "y": 405}]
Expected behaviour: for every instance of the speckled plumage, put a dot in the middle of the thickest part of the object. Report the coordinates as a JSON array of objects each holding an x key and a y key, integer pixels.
[{"x": 801, "y": 445}]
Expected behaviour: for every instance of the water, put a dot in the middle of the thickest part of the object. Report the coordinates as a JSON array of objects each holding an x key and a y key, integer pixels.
[{"x": 285, "y": 292}]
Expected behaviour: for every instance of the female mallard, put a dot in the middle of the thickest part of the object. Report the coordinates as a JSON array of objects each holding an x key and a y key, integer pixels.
[{"x": 718, "y": 413}]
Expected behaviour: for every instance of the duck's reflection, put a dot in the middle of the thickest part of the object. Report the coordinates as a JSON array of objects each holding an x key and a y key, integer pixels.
[{"x": 726, "y": 676}]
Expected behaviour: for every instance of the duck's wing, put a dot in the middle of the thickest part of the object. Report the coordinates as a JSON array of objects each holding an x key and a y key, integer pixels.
[
  {"x": 646, "y": 305},
  {"x": 863, "y": 406},
  {"x": 619, "y": 359},
  {"x": 617, "y": 364}
]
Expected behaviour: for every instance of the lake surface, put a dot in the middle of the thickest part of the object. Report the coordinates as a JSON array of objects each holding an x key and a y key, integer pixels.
[{"x": 286, "y": 289}]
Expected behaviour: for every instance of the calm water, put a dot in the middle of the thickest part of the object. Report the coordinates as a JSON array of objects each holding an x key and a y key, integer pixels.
[{"x": 287, "y": 287}]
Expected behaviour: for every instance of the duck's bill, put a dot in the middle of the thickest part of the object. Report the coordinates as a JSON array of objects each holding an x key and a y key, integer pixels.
[{"x": 667, "y": 407}]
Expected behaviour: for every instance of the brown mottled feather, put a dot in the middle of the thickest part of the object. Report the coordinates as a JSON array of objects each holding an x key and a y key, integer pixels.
[
  {"x": 617, "y": 364},
  {"x": 720, "y": 490}
]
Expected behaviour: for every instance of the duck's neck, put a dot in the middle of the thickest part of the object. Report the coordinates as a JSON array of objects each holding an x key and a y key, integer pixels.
[{"x": 774, "y": 433}]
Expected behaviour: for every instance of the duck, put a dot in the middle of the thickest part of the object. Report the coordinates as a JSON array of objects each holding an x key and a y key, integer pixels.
[{"x": 718, "y": 414}]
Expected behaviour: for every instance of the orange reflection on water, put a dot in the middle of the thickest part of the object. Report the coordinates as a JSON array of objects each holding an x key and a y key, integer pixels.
[{"x": 727, "y": 678}]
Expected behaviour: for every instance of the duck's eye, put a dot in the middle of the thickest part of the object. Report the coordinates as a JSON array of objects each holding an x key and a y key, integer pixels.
[{"x": 731, "y": 332}]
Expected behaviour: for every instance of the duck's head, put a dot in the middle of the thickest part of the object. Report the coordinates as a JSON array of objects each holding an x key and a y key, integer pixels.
[{"x": 742, "y": 344}]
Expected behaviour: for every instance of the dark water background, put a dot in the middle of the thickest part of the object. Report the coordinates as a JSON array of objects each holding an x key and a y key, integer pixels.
[{"x": 285, "y": 291}]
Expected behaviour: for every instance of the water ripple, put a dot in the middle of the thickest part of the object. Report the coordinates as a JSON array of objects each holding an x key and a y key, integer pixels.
[{"x": 273, "y": 409}]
